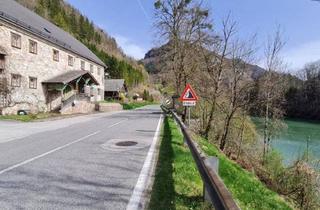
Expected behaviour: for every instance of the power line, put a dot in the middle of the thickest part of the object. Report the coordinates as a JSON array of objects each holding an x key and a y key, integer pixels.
[{"x": 144, "y": 10}]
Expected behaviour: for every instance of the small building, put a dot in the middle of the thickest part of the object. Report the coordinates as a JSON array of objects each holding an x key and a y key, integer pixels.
[
  {"x": 42, "y": 67},
  {"x": 113, "y": 88}
]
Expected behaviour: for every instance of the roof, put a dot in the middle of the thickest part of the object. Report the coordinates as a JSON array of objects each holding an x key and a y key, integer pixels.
[
  {"x": 113, "y": 85},
  {"x": 70, "y": 76},
  {"x": 16, "y": 14}
]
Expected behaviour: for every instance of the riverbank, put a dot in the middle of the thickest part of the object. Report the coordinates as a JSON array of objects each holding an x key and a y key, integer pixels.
[
  {"x": 296, "y": 139},
  {"x": 178, "y": 184}
]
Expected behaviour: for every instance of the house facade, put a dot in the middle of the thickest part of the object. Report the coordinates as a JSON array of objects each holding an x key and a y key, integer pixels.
[
  {"x": 113, "y": 88},
  {"x": 43, "y": 68}
]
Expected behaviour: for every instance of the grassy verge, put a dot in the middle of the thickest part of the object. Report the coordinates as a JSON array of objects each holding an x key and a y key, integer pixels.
[
  {"x": 130, "y": 105},
  {"x": 249, "y": 192},
  {"x": 28, "y": 118},
  {"x": 135, "y": 105},
  {"x": 177, "y": 182}
]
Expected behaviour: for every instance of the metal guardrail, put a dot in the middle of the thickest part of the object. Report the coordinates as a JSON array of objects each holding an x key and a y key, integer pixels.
[{"x": 215, "y": 190}]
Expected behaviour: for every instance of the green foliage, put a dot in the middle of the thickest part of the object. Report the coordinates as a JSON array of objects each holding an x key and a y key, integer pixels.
[
  {"x": 303, "y": 96},
  {"x": 157, "y": 4},
  {"x": 29, "y": 117},
  {"x": 135, "y": 105},
  {"x": 249, "y": 192},
  {"x": 177, "y": 182},
  {"x": 120, "y": 69},
  {"x": 274, "y": 164},
  {"x": 146, "y": 96}
]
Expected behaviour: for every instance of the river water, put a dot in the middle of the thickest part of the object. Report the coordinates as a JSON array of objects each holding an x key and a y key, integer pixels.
[{"x": 292, "y": 142}]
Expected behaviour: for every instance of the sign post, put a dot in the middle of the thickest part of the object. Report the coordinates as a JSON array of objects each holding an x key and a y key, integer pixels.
[{"x": 189, "y": 98}]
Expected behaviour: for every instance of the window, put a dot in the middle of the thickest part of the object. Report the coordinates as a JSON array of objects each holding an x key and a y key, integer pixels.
[
  {"x": 83, "y": 65},
  {"x": 33, "y": 47},
  {"x": 15, "y": 80},
  {"x": 70, "y": 60},
  {"x": 2, "y": 62},
  {"x": 32, "y": 82},
  {"x": 16, "y": 40},
  {"x": 91, "y": 68},
  {"x": 55, "y": 55},
  {"x": 99, "y": 71}
]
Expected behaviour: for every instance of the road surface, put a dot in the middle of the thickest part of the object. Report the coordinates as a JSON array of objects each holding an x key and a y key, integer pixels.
[{"x": 76, "y": 163}]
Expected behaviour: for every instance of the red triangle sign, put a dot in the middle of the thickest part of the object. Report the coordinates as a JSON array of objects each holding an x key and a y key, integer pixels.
[{"x": 189, "y": 94}]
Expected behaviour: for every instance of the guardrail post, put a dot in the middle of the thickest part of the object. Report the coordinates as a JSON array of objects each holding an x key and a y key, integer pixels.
[{"x": 211, "y": 163}]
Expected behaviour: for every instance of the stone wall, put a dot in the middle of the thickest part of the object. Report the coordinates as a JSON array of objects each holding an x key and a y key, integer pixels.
[
  {"x": 40, "y": 65},
  {"x": 110, "y": 107},
  {"x": 80, "y": 107}
]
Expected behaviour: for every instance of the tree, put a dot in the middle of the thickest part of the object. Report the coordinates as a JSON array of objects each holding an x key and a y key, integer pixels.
[
  {"x": 41, "y": 7},
  {"x": 238, "y": 85},
  {"x": 271, "y": 90},
  {"x": 214, "y": 55},
  {"x": 82, "y": 30},
  {"x": 54, "y": 7},
  {"x": 73, "y": 22},
  {"x": 182, "y": 24}
]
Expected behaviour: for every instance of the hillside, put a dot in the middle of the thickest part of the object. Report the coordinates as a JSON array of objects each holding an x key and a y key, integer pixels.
[
  {"x": 103, "y": 45},
  {"x": 152, "y": 62}
]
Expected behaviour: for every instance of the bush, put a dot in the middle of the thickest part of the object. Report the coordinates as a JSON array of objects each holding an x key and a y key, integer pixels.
[{"x": 147, "y": 96}]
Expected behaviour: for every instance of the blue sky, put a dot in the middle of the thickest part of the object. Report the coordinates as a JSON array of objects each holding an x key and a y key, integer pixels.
[{"x": 130, "y": 22}]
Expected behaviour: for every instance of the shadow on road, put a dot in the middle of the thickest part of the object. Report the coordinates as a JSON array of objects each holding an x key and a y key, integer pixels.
[{"x": 163, "y": 193}]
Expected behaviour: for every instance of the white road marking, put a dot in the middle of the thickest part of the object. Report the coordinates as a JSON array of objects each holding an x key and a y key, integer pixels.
[
  {"x": 54, "y": 150},
  {"x": 47, "y": 153},
  {"x": 117, "y": 123},
  {"x": 136, "y": 197}
]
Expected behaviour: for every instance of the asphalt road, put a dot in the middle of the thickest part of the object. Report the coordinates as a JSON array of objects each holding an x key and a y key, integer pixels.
[{"x": 75, "y": 163}]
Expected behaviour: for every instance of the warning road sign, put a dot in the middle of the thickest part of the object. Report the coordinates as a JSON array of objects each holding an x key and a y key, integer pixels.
[{"x": 188, "y": 94}]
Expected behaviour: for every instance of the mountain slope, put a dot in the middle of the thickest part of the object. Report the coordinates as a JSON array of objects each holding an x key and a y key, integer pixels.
[
  {"x": 104, "y": 46},
  {"x": 152, "y": 62}
]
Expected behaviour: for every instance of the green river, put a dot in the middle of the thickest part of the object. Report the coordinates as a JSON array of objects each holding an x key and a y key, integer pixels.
[{"x": 292, "y": 142}]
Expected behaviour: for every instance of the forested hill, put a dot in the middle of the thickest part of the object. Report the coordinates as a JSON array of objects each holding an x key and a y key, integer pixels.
[{"x": 104, "y": 46}]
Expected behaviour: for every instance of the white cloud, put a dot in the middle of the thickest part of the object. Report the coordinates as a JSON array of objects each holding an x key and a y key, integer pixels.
[
  {"x": 297, "y": 57},
  {"x": 129, "y": 47}
]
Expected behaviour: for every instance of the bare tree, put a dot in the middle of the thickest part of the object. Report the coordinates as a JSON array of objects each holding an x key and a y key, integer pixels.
[
  {"x": 238, "y": 84},
  {"x": 215, "y": 51},
  {"x": 183, "y": 25},
  {"x": 271, "y": 89}
]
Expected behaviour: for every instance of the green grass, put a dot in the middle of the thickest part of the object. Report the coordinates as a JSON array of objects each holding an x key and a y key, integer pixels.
[
  {"x": 29, "y": 117},
  {"x": 135, "y": 105},
  {"x": 249, "y": 192},
  {"x": 23, "y": 118},
  {"x": 177, "y": 182},
  {"x": 130, "y": 105}
]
